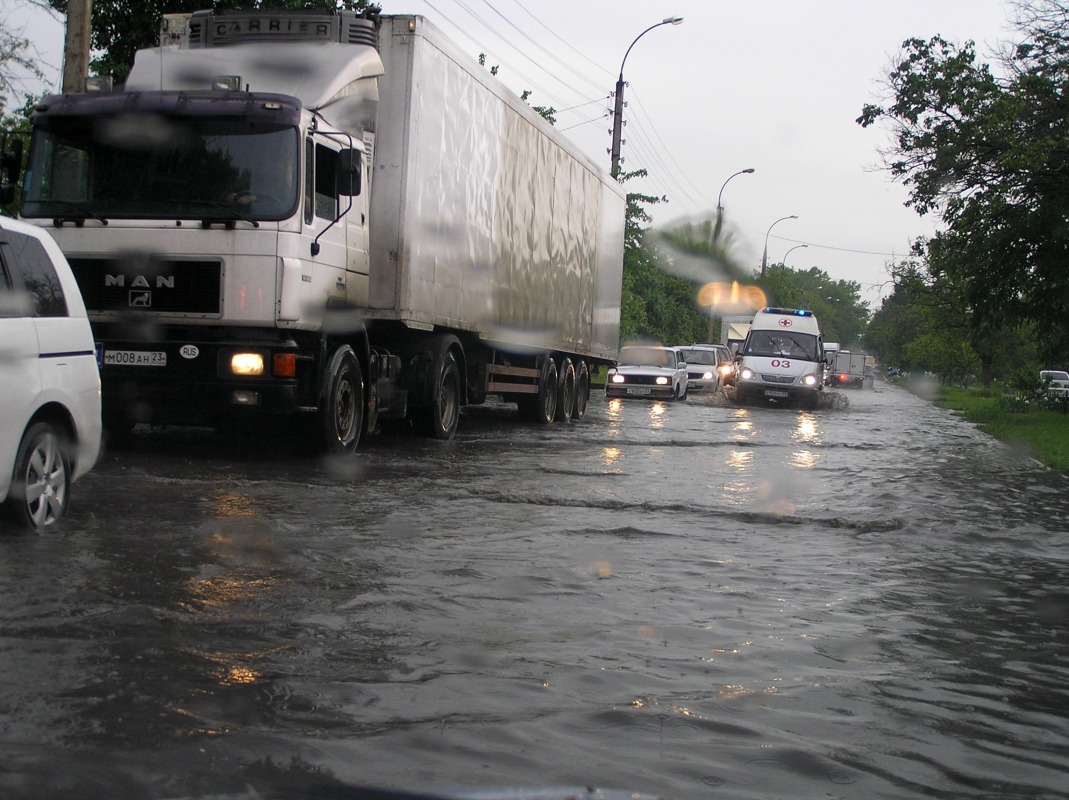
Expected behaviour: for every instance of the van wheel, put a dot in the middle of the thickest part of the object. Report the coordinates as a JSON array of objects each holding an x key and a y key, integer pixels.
[
  {"x": 40, "y": 485},
  {"x": 342, "y": 416}
]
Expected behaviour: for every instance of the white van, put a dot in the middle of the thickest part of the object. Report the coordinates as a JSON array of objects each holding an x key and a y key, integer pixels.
[
  {"x": 782, "y": 359},
  {"x": 50, "y": 424}
]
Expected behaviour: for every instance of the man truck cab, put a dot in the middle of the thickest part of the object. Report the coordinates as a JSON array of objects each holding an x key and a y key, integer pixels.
[{"x": 782, "y": 359}]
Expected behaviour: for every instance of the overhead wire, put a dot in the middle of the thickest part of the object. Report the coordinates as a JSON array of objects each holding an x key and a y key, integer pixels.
[{"x": 513, "y": 75}]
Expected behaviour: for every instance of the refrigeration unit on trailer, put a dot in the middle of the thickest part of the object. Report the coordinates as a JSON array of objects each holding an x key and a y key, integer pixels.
[{"x": 331, "y": 218}]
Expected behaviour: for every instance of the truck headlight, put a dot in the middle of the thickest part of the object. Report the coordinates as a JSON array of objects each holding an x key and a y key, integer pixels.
[
  {"x": 810, "y": 380},
  {"x": 747, "y": 374},
  {"x": 247, "y": 364}
]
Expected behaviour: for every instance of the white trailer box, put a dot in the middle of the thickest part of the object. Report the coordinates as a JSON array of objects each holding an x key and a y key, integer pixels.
[{"x": 484, "y": 217}]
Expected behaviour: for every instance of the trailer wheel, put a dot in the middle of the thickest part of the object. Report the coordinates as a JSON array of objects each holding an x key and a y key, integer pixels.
[
  {"x": 342, "y": 416},
  {"x": 441, "y": 419},
  {"x": 582, "y": 390},
  {"x": 542, "y": 406},
  {"x": 565, "y": 391}
]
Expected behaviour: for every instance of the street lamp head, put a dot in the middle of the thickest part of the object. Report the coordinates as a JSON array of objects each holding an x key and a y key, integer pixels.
[
  {"x": 672, "y": 20},
  {"x": 749, "y": 170}
]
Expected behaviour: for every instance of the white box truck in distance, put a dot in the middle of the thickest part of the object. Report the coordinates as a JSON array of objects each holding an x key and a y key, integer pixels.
[
  {"x": 782, "y": 359},
  {"x": 330, "y": 218}
]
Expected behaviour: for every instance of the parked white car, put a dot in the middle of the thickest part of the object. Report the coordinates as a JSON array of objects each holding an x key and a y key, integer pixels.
[
  {"x": 50, "y": 424},
  {"x": 1056, "y": 381}
]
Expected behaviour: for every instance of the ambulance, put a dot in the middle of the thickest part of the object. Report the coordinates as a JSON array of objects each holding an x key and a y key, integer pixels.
[{"x": 782, "y": 359}]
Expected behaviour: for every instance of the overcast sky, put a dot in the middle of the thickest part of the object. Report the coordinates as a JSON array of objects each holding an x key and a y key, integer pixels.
[{"x": 774, "y": 85}]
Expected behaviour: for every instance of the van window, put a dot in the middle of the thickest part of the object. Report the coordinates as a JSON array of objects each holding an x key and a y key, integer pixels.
[
  {"x": 28, "y": 268},
  {"x": 778, "y": 343}
]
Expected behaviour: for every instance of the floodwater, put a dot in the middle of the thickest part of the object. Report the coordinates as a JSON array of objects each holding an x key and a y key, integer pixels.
[{"x": 688, "y": 600}]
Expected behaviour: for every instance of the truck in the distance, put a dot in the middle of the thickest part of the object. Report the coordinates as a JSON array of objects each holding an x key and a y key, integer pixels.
[
  {"x": 849, "y": 370},
  {"x": 332, "y": 219},
  {"x": 733, "y": 330}
]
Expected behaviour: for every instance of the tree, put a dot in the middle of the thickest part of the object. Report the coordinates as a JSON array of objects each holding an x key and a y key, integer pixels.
[
  {"x": 837, "y": 304},
  {"x": 17, "y": 63},
  {"x": 990, "y": 155}
]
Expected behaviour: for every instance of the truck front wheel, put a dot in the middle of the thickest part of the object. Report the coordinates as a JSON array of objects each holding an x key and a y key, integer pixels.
[{"x": 341, "y": 417}]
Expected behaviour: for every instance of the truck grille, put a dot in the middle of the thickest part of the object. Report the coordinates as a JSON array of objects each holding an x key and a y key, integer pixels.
[
  {"x": 161, "y": 286},
  {"x": 777, "y": 379}
]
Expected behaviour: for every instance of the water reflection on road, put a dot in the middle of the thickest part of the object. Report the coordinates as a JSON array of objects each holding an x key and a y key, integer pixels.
[{"x": 686, "y": 599}]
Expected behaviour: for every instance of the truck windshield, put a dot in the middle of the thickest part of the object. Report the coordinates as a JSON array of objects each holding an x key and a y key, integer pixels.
[
  {"x": 778, "y": 343},
  {"x": 161, "y": 167}
]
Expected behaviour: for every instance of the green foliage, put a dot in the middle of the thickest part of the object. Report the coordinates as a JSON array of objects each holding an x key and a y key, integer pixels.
[
  {"x": 657, "y": 306},
  {"x": 548, "y": 113},
  {"x": 16, "y": 58},
  {"x": 990, "y": 155},
  {"x": 837, "y": 303}
]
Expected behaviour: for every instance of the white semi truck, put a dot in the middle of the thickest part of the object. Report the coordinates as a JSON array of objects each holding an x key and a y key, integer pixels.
[{"x": 327, "y": 218}]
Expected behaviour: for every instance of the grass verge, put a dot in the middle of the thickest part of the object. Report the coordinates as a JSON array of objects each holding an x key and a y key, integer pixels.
[{"x": 1042, "y": 432}]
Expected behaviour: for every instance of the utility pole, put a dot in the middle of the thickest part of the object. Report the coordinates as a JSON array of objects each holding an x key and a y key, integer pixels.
[{"x": 76, "y": 46}]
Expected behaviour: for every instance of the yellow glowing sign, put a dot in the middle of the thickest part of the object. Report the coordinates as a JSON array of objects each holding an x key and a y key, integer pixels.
[{"x": 731, "y": 297}]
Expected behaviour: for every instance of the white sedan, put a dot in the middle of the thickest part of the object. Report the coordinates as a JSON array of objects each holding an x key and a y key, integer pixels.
[{"x": 648, "y": 371}]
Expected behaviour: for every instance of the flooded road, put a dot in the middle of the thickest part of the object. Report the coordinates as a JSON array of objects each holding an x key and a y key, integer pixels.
[{"x": 689, "y": 600}]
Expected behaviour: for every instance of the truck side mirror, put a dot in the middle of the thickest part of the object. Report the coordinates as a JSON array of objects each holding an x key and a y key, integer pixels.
[{"x": 350, "y": 165}]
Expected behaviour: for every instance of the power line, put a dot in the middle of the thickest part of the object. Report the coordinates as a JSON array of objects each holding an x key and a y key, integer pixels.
[{"x": 597, "y": 87}]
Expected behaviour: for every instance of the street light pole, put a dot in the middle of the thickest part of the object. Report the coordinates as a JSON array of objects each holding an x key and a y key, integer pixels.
[
  {"x": 618, "y": 114},
  {"x": 719, "y": 208},
  {"x": 784, "y": 261},
  {"x": 764, "y": 256}
]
